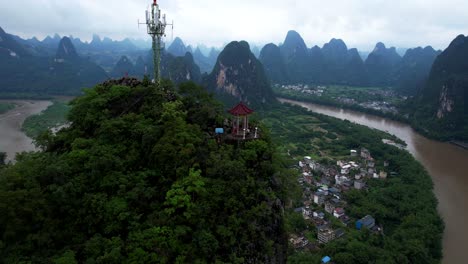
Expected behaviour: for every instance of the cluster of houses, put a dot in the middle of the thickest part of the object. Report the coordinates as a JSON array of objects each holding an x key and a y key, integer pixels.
[
  {"x": 348, "y": 101},
  {"x": 384, "y": 107},
  {"x": 304, "y": 88},
  {"x": 323, "y": 188}
]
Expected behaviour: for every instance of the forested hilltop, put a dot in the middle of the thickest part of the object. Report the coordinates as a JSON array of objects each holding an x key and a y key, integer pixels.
[{"x": 138, "y": 177}]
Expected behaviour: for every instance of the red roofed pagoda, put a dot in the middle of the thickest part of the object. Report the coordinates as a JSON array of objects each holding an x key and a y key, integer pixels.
[{"x": 241, "y": 112}]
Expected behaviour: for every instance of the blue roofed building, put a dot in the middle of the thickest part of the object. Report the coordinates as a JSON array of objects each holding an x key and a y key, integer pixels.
[
  {"x": 326, "y": 259},
  {"x": 367, "y": 222}
]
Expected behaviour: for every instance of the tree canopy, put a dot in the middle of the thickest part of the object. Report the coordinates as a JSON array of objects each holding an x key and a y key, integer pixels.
[{"x": 139, "y": 178}]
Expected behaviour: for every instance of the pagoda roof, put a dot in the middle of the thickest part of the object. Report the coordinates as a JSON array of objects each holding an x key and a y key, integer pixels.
[{"x": 240, "y": 110}]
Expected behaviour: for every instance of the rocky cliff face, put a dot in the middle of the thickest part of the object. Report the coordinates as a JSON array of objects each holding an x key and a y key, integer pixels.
[
  {"x": 441, "y": 106},
  {"x": 66, "y": 50}
]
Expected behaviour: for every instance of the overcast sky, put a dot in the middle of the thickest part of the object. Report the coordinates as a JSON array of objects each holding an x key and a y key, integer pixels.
[{"x": 360, "y": 23}]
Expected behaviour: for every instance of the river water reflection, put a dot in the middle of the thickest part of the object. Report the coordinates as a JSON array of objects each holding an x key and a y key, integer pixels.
[{"x": 447, "y": 164}]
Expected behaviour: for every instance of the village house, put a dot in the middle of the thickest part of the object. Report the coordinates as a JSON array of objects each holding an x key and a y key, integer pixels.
[
  {"x": 339, "y": 180},
  {"x": 301, "y": 164},
  {"x": 314, "y": 166},
  {"x": 319, "y": 215},
  {"x": 339, "y": 233},
  {"x": 345, "y": 220},
  {"x": 298, "y": 242},
  {"x": 306, "y": 212},
  {"x": 307, "y": 178},
  {"x": 383, "y": 175},
  {"x": 329, "y": 207},
  {"x": 365, "y": 154},
  {"x": 366, "y": 222},
  {"x": 358, "y": 176},
  {"x": 319, "y": 198},
  {"x": 359, "y": 184},
  {"x": 324, "y": 189},
  {"x": 353, "y": 153},
  {"x": 333, "y": 191},
  {"x": 325, "y": 235},
  {"x": 338, "y": 212}
]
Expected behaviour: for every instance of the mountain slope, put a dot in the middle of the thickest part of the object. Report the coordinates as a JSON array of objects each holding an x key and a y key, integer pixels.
[
  {"x": 123, "y": 68},
  {"x": 381, "y": 63},
  {"x": 441, "y": 106},
  {"x": 181, "y": 69},
  {"x": 296, "y": 58},
  {"x": 10, "y": 47},
  {"x": 66, "y": 50},
  {"x": 65, "y": 74},
  {"x": 177, "y": 48},
  {"x": 239, "y": 76},
  {"x": 206, "y": 65},
  {"x": 343, "y": 66},
  {"x": 176, "y": 69},
  {"x": 414, "y": 69},
  {"x": 272, "y": 62}
]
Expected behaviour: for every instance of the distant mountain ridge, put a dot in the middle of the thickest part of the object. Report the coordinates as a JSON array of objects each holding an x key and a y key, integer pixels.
[
  {"x": 206, "y": 63},
  {"x": 9, "y": 46},
  {"x": 335, "y": 63},
  {"x": 64, "y": 74}
]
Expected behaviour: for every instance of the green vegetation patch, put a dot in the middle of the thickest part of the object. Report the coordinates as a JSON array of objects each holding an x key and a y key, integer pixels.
[
  {"x": 5, "y": 107},
  {"x": 54, "y": 116}
]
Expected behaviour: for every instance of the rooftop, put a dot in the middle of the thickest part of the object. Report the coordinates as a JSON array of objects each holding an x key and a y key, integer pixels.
[{"x": 240, "y": 110}]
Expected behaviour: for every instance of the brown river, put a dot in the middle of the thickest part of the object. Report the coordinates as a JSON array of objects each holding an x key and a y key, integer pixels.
[
  {"x": 12, "y": 139},
  {"x": 446, "y": 163}
]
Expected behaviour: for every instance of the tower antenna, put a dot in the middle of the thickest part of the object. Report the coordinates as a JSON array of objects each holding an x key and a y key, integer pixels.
[{"x": 156, "y": 27}]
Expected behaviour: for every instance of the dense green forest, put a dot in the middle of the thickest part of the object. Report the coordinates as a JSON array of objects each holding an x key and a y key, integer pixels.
[
  {"x": 139, "y": 177},
  {"x": 403, "y": 204}
]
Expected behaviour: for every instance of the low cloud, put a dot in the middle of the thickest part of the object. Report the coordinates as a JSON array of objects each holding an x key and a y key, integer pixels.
[{"x": 360, "y": 23}]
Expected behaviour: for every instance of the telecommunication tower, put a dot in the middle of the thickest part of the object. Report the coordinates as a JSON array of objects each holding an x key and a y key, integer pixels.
[{"x": 156, "y": 26}]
